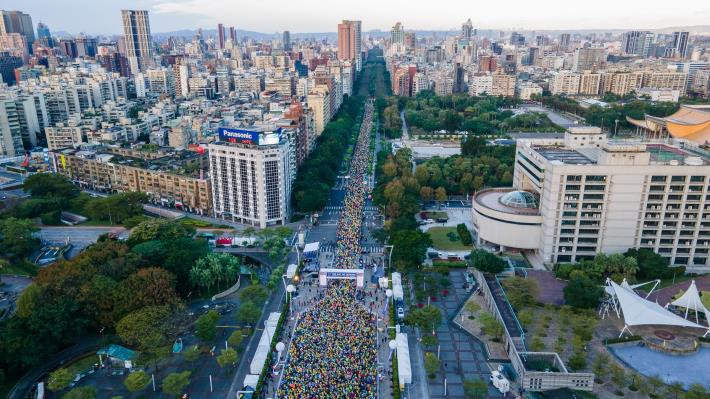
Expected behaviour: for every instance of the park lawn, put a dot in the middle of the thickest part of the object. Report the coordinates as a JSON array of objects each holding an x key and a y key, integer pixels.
[
  {"x": 667, "y": 282},
  {"x": 441, "y": 240}
]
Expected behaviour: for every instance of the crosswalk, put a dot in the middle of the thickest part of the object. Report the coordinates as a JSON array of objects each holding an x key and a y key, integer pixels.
[{"x": 332, "y": 208}]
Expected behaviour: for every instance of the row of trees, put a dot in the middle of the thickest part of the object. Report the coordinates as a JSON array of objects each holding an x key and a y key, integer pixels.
[
  {"x": 50, "y": 194},
  {"x": 318, "y": 173}
]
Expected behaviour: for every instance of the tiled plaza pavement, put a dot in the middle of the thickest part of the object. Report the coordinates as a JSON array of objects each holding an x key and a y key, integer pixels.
[{"x": 462, "y": 356}]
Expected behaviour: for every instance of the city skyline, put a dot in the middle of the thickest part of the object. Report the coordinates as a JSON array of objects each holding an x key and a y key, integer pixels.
[{"x": 168, "y": 16}]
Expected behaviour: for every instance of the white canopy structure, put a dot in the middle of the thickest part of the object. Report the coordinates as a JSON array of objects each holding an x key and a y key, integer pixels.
[
  {"x": 404, "y": 367},
  {"x": 639, "y": 311},
  {"x": 690, "y": 300}
]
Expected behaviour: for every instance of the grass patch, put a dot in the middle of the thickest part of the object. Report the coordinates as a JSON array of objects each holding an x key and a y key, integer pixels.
[
  {"x": 440, "y": 238},
  {"x": 83, "y": 363},
  {"x": 434, "y": 215},
  {"x": 667, "y": 282}
]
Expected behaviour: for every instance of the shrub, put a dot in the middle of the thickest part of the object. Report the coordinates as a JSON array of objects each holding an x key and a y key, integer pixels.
[{"x": 465, "y": 235}]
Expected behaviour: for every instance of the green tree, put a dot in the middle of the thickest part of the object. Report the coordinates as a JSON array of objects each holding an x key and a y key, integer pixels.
[
  {"x": 214, "y": 269},
  {"x": 159, "y": 229},
  {"x": 490, "y": 325},
  {"x": 674, "y": 390},
  {"x": 226, "y": 357},
  {"x": 651, "y": 265},
  {"x": 600, "y": 366},
  {"x": 29, "y": 300},
  {"x": 697, "y": 391},
  {"x": 577, "y": 361},
  {"x": 429, "y": 340},
  {"x": 174, "y": 383},
  {"x": 236, "y": 338},
  {"x": 207, "y": 325},
  {"x": 192, "y": 353},
  {"x": 475, "y": 388},
  {"x": 537, "y": 345},
  {"x": 59, "y": 379},
  {"x": 50, "y": 185},
  {"x": 426, "y": 317},
  {"x": 582, "y": 292},
  {"x": 16, "y": 239},
  {"x": 148, "y": 328},
  {"x": 486, "y": 261},
  {"x": 472, "y": 306},
  {"x": 248, "y": 313},
  {"x": 521, "y": 291},
  {"x": 655, "y": 382},
  {"x": 137, "y": 381},
  {"x": 619, "y": 377},
  {"x": 525, "y": 317},
  {"x": 254, "y": 293},
  {"x": 81, "y": 393},
  {"x": 431, "y": 364}
]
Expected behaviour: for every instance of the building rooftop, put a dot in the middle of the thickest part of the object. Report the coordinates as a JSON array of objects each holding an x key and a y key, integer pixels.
[
  {"x": 509, "y": 200},
  {"x": 564, "y": 155}
]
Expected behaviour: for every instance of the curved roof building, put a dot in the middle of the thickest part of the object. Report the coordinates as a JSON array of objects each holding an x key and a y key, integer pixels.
[{"x": 690, "y": 122}]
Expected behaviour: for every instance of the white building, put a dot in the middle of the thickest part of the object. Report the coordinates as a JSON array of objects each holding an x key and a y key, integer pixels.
[
  {"x": 575, "y": 197},
  {"x": 664, "y": 95},
  {"x": 566, "y": 83},
  {"x": 525, "y": 90},
  {"x": 251, "y": 175}
]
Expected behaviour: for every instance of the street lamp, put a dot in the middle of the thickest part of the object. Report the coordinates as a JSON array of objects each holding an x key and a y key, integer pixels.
[
  {"x": 289, "y": 292},
  {"x": 280, "y": 346}
]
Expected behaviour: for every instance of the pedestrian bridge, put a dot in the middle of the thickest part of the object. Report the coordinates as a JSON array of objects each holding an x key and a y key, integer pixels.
[{"x": 258, "y": 254}]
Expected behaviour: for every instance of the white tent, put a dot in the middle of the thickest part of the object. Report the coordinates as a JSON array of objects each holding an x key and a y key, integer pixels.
[
  {"x": 690, "y": 300},
  {"x": 639, "y": 311},
  {"x": 404, "y": 367}
]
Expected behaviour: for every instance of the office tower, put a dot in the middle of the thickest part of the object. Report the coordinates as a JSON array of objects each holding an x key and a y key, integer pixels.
[
  {"x": 458, "y": 78},
  {"x": 220, "y": 36},
  {"x": 136, "y": 31},
  {"x": 68, "y": 47},
  {"x": 397, "y": 34},
  {"x": 516, "y": 39},
  {"x": 680, "y": 44},
  {"x": 8, "y": 63},
  {"x": 44, "y": 35},
  {"x": 18, "y": 22},
  {"x": 251, "y": 175},
  {"x": 636, "y": 43},
  {"x": 233, "y": 35},
  {"x": 467, "y": 30},
  {"x": 582, "y": 195},
  {"x": 350, "y": 42},
  {"x": 287, "y": 40},
  {"x": 86, "y": 46},
  {"x": 564, "y": 41},
  {"x": 410, "y": 41},
  {"x": 533, "y": 55},
  {"x": 487, "y": 63}
]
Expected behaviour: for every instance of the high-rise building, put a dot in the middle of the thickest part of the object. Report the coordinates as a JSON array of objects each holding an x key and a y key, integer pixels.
[
  {"x": 220, "y": 36},
  {"x": 467, "y": 30},
  {"x": 10, "y": 130},
  {"x": 458, "y": 78},
  {"x": 516, "y": 39},
  {"x": 18, "y": 22},
  {"x": 8, "y": 63},
  {"x": 397, "y": 34},
  {"x": 564, "y": 41},
  {"x": 680, "y": 44},
  {"x": 251, "y": 175},
  {"x": 44, "y": 35},
  {"x": 286, "y": 40},
  {"x": 233, "y": 35},
  {"x": 350, "y": 42},
  {"x": 410, "y": 41},
  {"x": 636, "y": 43},
  {"x": 136, "y": 31}
]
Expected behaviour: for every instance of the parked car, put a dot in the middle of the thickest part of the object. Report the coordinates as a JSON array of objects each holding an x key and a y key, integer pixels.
[{"x": 400, "y": 313}]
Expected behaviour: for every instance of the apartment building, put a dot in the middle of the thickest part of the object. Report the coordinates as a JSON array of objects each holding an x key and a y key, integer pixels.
[
  {"x": 566, "y": 83},
  {"x": 575, "y": 197},
  {"x": 171, "y": 179}
]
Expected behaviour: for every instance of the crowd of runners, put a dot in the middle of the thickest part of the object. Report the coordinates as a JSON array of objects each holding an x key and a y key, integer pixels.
[{"x": 333, "y": 353}]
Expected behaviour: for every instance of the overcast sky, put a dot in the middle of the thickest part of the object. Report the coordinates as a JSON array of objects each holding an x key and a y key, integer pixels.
[{"x": 103, "y": 16}]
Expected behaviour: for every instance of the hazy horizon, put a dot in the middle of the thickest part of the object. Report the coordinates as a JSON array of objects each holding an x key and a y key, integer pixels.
[{"x": 311, "y": 16}]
